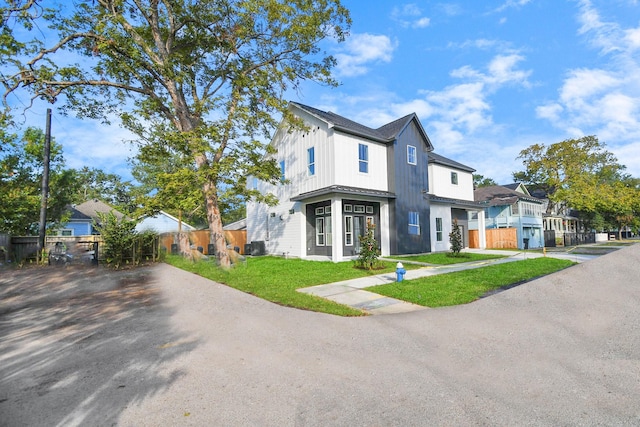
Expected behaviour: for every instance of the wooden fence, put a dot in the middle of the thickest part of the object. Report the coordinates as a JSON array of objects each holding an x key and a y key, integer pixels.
[
  {"x": 201, "y": 239},
  {"x": 21, "y": 248},
  {"x": 497, "y": 238}
]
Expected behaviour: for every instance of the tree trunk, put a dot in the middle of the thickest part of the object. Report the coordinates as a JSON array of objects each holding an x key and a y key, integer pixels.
[
  {"x": 183, "y": 244},
  {"x": 215, "y": 226}
]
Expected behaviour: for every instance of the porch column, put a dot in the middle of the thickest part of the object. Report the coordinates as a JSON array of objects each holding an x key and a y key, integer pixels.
[
  {"x": 336, "y": 229},
  {"x": 482, "y": 230},
  {"x": 384, "y": 229}
]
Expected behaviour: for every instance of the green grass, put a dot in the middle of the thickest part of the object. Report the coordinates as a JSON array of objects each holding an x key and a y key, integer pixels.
[
  {"x": 463, "y": 287},
  {"x": 277, "y": 279},
  {"x": 445, "y": 258}
]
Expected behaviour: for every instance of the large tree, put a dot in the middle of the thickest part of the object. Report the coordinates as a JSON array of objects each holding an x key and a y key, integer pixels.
[
  {"x": 482, "y": 181},
  {"x": 207, "y": 77},
  {"x": 21, "y": 167},
  {"x": 581, "y": 174},
  {"x": 95, "y": 183}
]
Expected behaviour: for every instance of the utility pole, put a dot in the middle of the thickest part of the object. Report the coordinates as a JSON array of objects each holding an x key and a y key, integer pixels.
[{"x": 45, "y": 187}]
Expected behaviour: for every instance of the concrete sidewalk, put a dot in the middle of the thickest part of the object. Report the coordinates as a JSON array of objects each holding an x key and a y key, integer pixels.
[{"x": 352, "y": 293}]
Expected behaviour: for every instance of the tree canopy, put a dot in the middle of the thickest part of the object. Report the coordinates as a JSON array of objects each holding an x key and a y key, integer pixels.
[
  {"x": 21, "y": 167},
  {"x": 206, "y": 77},
  {"x": 581, "y": 174},
  {"x": 481, "y": 181}
]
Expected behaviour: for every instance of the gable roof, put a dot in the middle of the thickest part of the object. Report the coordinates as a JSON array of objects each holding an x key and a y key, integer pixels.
[
  {"x": 441, "y": 160},
  {"x": 89, "y": 210},
  {"x": 386, "y": 133},
  {"x": 499, "y": 195},
  {"x": 237, "y": 225},
  {"x": 519, "y": 187}
]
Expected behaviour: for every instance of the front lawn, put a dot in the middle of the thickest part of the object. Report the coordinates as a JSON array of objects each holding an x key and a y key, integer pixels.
[
  {"x": 465, "y": 286},
  {"x": 277, "y": 279},
  {"x": 446, "y": 258}
]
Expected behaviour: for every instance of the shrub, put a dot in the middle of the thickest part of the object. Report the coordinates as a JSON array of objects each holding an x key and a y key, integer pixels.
[
  {"x": 455, "y": 238},
  {"x": 369, "y": 250}
]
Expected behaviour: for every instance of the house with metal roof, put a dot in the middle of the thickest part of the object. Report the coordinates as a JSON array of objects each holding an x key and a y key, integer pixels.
[{"x": 339, "y": 177}]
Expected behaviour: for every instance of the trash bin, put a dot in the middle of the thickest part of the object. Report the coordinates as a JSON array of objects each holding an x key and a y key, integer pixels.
[{"x": 526, "y": 243}]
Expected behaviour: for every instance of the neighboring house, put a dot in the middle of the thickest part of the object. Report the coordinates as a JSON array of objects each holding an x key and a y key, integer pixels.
[
  {"x": 558, "y": 217},
  {"x": 511, "y": 206},
  {"x": 84, "y": 217},
  {"x": 162, "y": 222},
  {"x": 339, "y": 176}
]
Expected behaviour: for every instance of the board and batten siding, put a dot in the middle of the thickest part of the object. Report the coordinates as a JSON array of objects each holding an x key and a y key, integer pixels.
[
  {"x": 409, "y": 183},
  {"x": 440, "y": 183},
  {"x": 347, "y": 164}
]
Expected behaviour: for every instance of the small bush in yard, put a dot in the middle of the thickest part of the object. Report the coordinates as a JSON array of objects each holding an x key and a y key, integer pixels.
[
  {"x": 369, "y": 251},
  {"x": 455, "y": 238}
]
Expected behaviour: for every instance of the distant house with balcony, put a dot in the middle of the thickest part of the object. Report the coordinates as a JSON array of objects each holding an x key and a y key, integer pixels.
[{"x": 512, "y": 206}]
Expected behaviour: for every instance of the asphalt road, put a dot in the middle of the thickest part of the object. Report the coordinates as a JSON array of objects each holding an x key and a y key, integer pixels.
[{"x": 158, "y": 346}]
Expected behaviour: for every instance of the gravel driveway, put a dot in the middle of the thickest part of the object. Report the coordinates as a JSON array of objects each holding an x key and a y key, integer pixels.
[{"x": 160, "y": 346}]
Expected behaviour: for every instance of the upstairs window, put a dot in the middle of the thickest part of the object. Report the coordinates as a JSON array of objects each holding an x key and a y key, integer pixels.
[
  {"x": 311, "y": 161},
  {"x": 454, "y": 178},
  {"x": 414, "y": 223},
  {"x": 411, "y": 155},
  {"x": 282, "y": 177},
  {"x": 363, "y": 158}
]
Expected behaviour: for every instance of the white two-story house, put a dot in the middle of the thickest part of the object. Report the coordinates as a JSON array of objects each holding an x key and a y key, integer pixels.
[{"x": 339, "y": 177}]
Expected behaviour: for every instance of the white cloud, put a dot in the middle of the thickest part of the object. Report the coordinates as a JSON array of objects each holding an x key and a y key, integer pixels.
[
  {"x": 601, "y": 101},
  {"x": 361, "y": 50},
  {"x": 511, "y": 4},
  {"x": 410, "y": 16},
  {"x": 89, "y": 143},
  {"x": 463, "y": 110}
]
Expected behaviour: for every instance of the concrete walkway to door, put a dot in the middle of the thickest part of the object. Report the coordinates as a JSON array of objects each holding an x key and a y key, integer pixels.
[{"x": 351, "y": 292}]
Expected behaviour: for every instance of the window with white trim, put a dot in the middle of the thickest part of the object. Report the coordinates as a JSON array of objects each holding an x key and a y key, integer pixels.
[
  {"x": 414, "y": 223},
  {"x": 412, "y": 155},
  {"x": 320, "y": 231},
  {"x": 439, "y": 229},
  {"x": 363, "y": 158},
  {"x": 311, "y": 161},
  {"x": 454, "y": 178},
  {"x": 282, "y": 177},
  {"x": 348, "y": 230}
]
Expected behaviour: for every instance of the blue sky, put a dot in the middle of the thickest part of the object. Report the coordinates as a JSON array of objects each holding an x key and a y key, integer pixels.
[{"x": 486, "y": 78}]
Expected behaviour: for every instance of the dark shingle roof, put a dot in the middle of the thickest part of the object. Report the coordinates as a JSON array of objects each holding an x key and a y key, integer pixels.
[
  {"x": 498, "y": 195},
  {"x": 343, "y": 189},
  {"x": 437, "y": 158},
  {"x": 386, "y": 133},
  {"x": 90, "y": 210}
]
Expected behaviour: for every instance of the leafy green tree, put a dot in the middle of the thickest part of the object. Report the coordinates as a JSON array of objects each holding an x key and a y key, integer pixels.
[
  {"x": 582, "y": 174},
  {"x": 119, "y": 237},
  {"x": 94, "y": 183},
  {"x": 481, "y": 181},
  {"x": 206, "y": 77},
  {"x": 21, "y": 168},
  {"x": 620, "y": 203},
  {"x": 572, "y": 171}
]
